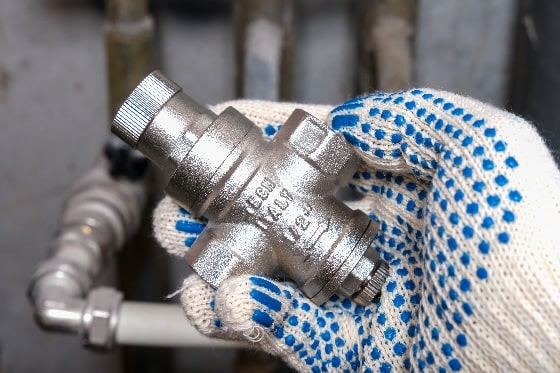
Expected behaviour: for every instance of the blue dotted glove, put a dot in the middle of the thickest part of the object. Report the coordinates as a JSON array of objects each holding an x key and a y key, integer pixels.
[{"x": 467, "y": 197}]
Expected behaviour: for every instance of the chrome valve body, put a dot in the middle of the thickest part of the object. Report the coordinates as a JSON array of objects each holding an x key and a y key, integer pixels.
[{"x": 270, "y": 205}]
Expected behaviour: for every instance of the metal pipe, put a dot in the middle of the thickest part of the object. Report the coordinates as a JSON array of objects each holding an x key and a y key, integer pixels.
[
  {"x": 61, "y": 315},
  {"x": 129, "y": 31},
  {"x": 385, "y": 44},
  {"x": 100, "y": 214},
  {"x": 126, "y": 10},
  {"x": 264, "y": 48}
]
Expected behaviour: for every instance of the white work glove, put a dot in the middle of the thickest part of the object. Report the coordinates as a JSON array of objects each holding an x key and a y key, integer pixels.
[{"x": 468, "y": 201}]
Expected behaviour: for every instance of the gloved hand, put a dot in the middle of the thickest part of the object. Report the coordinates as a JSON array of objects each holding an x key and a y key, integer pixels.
[{"x": 468, "y": 200}]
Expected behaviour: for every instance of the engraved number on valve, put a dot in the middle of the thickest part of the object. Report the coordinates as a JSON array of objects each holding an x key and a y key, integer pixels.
[{"x": 300, "y": 225}]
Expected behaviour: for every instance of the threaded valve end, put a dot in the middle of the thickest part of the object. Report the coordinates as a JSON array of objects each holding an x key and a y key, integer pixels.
[
  {"x": 140, "y": 108},
  {"x": 373, "y": 285}
]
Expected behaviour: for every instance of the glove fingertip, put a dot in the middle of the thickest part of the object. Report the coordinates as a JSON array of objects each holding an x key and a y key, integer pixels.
[
  {"x": 197, "y": 299},
  {"x": 252, "y": 306},
  {"x": 174, "y": 228}
]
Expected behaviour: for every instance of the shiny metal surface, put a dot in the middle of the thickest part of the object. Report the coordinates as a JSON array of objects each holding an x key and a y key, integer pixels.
[
  {"x": 142, "y": 106},
  {"x": 100, "y": 316},
  {"x": 270, "y": 204},
  {"x": 99, "y": 215}
]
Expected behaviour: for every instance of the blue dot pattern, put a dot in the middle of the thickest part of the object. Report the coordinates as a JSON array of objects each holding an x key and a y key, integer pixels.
[
  {"x": 435, "y": 213},
  {"x": 189, "y": 226},
  {"x": 451, "y": 192}
]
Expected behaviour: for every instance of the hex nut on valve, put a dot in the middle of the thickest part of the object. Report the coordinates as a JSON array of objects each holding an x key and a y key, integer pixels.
[{"x": 270, "y": 205}]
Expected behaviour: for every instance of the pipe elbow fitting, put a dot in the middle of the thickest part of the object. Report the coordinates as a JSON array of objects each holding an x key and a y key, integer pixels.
[
  {"x": 61, "y": 315},
  {"x": 270, "y": 204},
  {"x": 94, "y": 319},
  {"x": 56, "y": 292}
]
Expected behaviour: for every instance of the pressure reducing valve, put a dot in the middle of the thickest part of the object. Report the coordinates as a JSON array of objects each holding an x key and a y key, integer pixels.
[{"x": 270, "y": 205}]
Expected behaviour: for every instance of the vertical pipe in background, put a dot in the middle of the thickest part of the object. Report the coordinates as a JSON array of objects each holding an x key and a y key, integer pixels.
[
  {"x": 525, "y": 42},
  {"x": 129, "y": 34},
  {"x": 264, "y": 32},
  {"x": 385, "y": 36},
  {"x": 535, "y": 86},
  {"x": 129, "y": 31},
  {"x": 264, "y": 37},
  {"x": 264, "y": 45}
]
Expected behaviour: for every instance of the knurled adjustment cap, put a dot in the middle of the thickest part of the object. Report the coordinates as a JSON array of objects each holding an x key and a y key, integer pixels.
[
  {"x": 374, "y": 285},
  {"x": 140, "y": 108}
]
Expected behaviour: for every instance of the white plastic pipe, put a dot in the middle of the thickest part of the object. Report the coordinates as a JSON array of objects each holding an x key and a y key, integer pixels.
[{"x": 162, "y": 325}]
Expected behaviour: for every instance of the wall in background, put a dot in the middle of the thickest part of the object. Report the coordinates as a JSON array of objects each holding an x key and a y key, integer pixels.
[{"x": 466, "y": 47}]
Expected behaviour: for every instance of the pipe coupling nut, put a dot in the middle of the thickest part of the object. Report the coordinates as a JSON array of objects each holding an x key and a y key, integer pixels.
[{"x": 100, "y": 317}]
